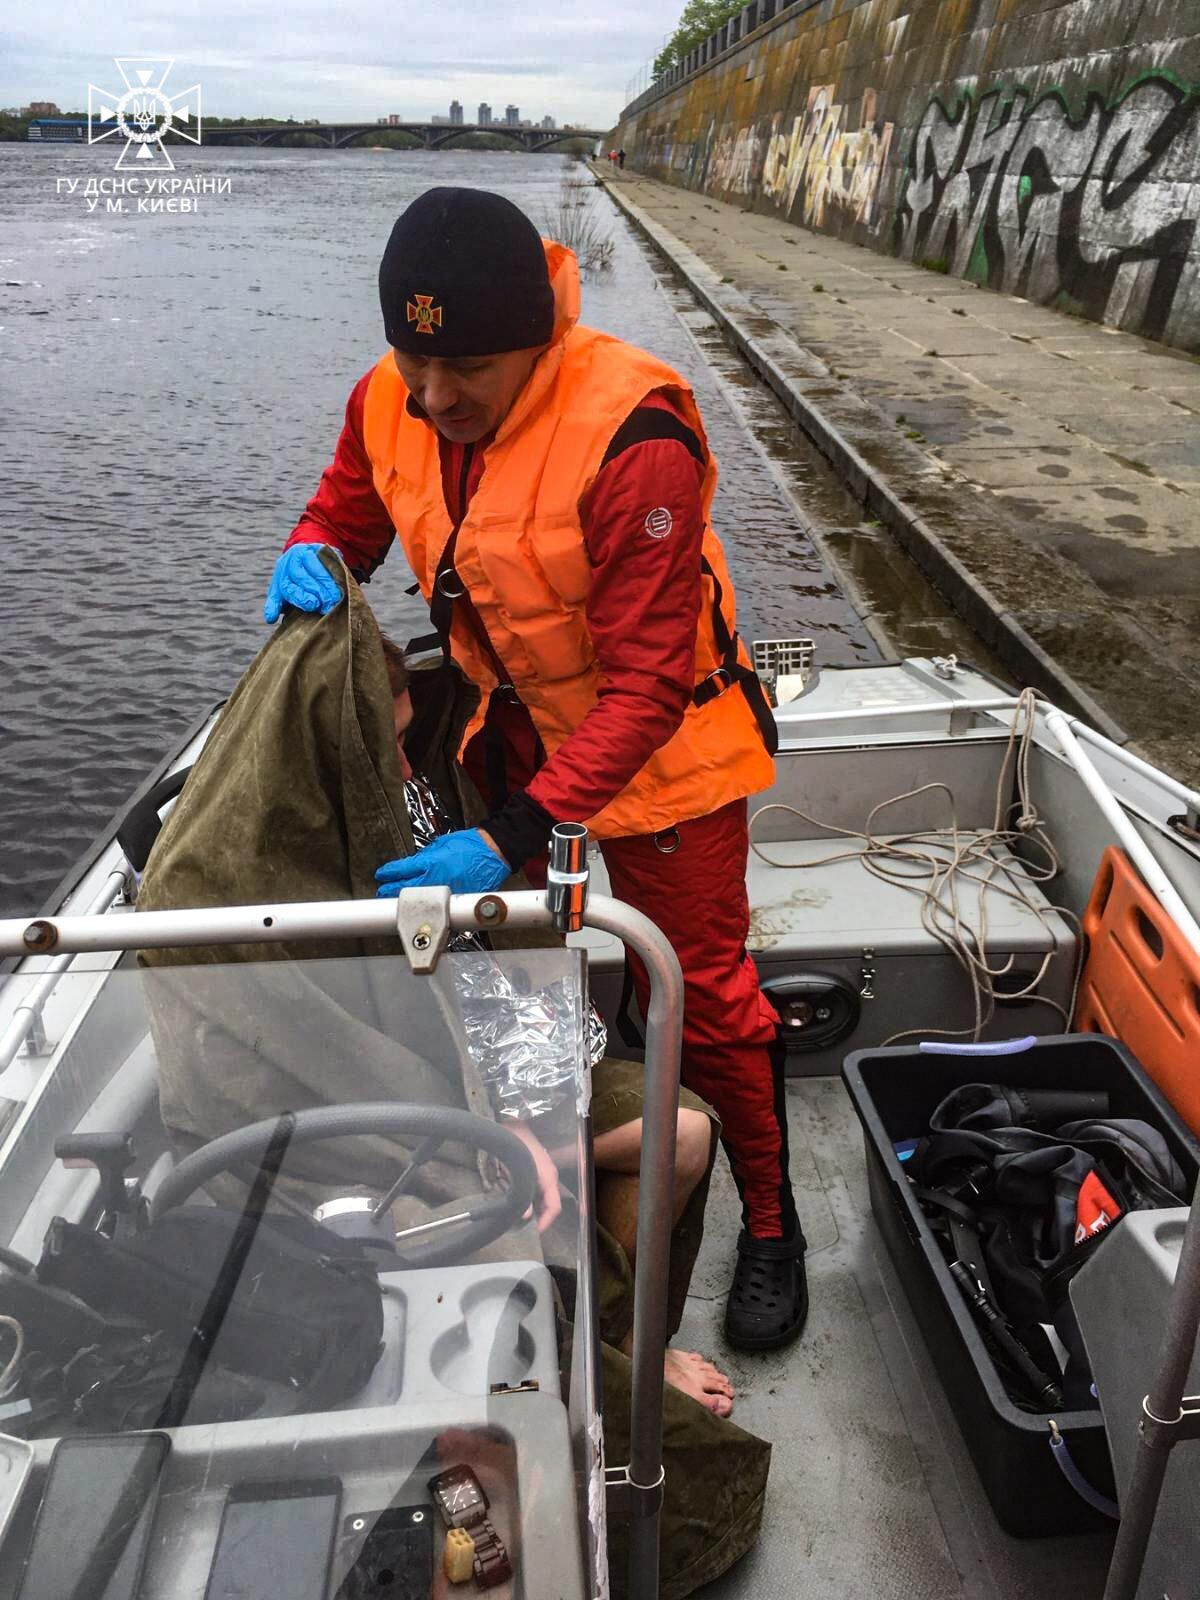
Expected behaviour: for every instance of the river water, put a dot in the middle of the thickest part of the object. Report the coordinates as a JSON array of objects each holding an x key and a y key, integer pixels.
[{"x": 173, "y": 387}]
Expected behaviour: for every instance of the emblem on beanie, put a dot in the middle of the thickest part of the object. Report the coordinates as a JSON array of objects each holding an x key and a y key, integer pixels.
[{"x": 425, "y": 314}]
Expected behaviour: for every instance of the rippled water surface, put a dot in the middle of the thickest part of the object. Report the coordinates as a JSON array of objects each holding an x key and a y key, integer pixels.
[{"x": 172, "y": 388}]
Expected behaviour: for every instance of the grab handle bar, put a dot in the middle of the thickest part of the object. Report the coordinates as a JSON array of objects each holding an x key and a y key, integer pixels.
[{"x": 992, "y": 1047}]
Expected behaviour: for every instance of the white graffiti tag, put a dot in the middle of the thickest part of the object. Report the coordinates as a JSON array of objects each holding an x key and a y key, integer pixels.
[{"x": 1083, "y": 208}]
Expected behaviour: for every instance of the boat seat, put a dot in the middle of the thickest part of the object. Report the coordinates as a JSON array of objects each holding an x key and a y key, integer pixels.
[
  {"x": 849, "y": 962},
  {"x": 856, "y": 947}
]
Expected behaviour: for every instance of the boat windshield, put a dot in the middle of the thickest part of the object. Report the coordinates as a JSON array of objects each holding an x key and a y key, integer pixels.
[{"x": 298, "y": 1278}]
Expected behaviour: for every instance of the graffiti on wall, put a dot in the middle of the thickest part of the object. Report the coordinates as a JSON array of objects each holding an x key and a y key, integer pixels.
[
  {"x": 735, "y": 161},
  {"x": 824, "y": 168},
  {"x": 1090, "y": 206},
  {"x": 1095, "y": 212},
  {"x": 817, "y": 171}
]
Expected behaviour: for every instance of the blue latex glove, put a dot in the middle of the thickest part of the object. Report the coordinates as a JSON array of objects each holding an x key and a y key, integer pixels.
[
  {"x": 464, "y": 860},
  {"x": 301, "y": 580}
]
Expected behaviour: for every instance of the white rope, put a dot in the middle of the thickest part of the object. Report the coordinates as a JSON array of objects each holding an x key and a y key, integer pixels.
[
  {"x": 935, "y": 863},
  {"x": 10, "y": 1366}
]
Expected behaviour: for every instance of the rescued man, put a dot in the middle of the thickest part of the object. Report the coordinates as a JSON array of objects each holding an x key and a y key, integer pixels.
[
  {"x": 551, "y": 487},
  {"x": 616, "y": 1141}
]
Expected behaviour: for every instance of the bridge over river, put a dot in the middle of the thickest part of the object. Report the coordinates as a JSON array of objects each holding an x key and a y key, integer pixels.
[{"x": 434, "y": 135}]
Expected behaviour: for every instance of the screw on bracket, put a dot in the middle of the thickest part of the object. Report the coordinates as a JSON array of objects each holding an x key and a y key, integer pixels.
[{"x": 423, "y": 923}]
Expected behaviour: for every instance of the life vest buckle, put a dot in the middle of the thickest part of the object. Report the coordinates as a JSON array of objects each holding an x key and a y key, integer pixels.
[{"x": 722, "y": 678}]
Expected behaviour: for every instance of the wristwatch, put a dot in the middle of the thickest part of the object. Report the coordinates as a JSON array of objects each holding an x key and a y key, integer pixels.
[{"x": 459, "y": 1497}]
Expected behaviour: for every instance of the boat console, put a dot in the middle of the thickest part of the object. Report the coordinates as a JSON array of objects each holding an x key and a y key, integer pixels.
[{"x": 462, "y": 1434}]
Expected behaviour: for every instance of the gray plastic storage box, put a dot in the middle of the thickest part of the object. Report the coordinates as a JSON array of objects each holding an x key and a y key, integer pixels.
[{"x": 894, "y": 1093}]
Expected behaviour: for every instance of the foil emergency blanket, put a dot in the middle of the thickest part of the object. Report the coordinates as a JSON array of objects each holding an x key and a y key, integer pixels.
[{"x": 522, "y": 1042}]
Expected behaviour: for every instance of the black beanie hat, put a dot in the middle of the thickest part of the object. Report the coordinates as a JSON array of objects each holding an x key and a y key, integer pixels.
[{"x": 464, "y": 274}]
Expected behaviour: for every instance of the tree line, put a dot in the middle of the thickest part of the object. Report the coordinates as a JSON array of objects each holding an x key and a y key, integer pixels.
[{"x": 698, "y": 19}]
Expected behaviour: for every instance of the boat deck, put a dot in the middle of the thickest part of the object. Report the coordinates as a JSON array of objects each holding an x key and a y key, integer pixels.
[{"x": 871, "y": 1492}]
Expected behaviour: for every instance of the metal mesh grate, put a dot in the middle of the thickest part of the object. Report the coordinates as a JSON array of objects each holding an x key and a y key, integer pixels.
[{"x": 783, "y": 658}]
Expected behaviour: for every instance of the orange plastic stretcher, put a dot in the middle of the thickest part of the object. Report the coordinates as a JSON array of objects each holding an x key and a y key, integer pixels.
[{"x": 1141, "y": 982}]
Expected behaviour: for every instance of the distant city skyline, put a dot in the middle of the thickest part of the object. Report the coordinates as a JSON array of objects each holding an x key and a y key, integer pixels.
[{"x": 484, "y": 118}]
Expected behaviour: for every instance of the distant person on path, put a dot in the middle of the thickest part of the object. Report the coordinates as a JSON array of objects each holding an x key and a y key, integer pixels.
[
  {"x": 621, "y": 159},
  {"x": 551, "y": 488}
]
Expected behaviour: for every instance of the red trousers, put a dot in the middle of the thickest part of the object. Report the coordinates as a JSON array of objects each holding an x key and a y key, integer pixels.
[{"x": 696, "y": 893}]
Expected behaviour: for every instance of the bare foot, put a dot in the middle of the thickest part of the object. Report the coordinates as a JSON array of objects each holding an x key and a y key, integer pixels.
[{"x": 689, "y": 1371}]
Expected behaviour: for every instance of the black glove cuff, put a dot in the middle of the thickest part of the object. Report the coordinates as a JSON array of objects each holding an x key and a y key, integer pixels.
[{"x": 521, "y": 828}]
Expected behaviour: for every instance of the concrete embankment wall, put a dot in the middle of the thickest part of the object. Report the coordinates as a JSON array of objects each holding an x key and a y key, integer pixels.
[{"x": 1045, "y": 148}]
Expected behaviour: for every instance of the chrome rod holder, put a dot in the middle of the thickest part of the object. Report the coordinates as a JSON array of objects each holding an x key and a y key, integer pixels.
[{"x": 567, "y": 876}]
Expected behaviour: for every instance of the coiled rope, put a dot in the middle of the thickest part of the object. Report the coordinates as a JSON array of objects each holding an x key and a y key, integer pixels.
[{"x": 935, "y": 864}]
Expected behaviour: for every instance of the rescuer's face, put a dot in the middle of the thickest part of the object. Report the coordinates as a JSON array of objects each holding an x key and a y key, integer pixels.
[{"x": 469, "y": 397}]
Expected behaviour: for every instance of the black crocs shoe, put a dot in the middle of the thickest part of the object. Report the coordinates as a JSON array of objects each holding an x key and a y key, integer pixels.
[{"x": 768, "y": 1302}]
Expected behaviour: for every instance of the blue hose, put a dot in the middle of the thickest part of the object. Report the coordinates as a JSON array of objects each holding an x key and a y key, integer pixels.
[{"x": 1076, "y": 1479}]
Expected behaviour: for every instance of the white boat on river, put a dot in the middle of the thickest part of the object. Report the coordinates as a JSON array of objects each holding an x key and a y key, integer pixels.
[{"x": 925, "y": 866}]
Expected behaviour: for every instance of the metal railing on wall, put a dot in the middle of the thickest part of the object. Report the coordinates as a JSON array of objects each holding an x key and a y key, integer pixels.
[{"x": 644, "y": 88}]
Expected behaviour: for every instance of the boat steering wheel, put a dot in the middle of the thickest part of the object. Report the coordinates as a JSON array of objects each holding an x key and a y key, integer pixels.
[{"x": 484, "y": 1217}]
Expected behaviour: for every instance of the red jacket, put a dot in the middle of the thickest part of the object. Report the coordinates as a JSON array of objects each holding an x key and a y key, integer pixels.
[{"x": 642, "y": 608}]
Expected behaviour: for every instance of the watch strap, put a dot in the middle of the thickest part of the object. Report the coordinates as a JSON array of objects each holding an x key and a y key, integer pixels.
[{"x": 492, "y": 1565}]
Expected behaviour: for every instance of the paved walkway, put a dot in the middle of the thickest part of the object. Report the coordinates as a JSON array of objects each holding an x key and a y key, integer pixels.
[{"x": 1058, "y": 462}]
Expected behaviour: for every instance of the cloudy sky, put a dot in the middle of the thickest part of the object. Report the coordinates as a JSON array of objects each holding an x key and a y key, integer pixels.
[{"x": 338, "y": 61}]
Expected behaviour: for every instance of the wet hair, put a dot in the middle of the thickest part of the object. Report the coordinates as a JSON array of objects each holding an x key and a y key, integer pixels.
[{"x": 397, "y": 666}]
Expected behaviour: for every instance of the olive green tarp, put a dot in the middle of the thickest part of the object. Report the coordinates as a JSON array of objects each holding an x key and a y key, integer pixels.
[{"x": 298, "y": 795}]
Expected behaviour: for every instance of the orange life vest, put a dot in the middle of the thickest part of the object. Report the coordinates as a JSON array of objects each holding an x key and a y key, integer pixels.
[{"x": 520, "y": 553}]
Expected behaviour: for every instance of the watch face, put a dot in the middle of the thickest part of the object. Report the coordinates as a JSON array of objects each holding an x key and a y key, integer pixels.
[
  {"x": 462, "y": 1496},
  {"x": 459, "y": 1493}
]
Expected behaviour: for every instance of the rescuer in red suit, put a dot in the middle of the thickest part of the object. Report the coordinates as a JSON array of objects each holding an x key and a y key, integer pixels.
[{"x": 550, "y": 487}]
